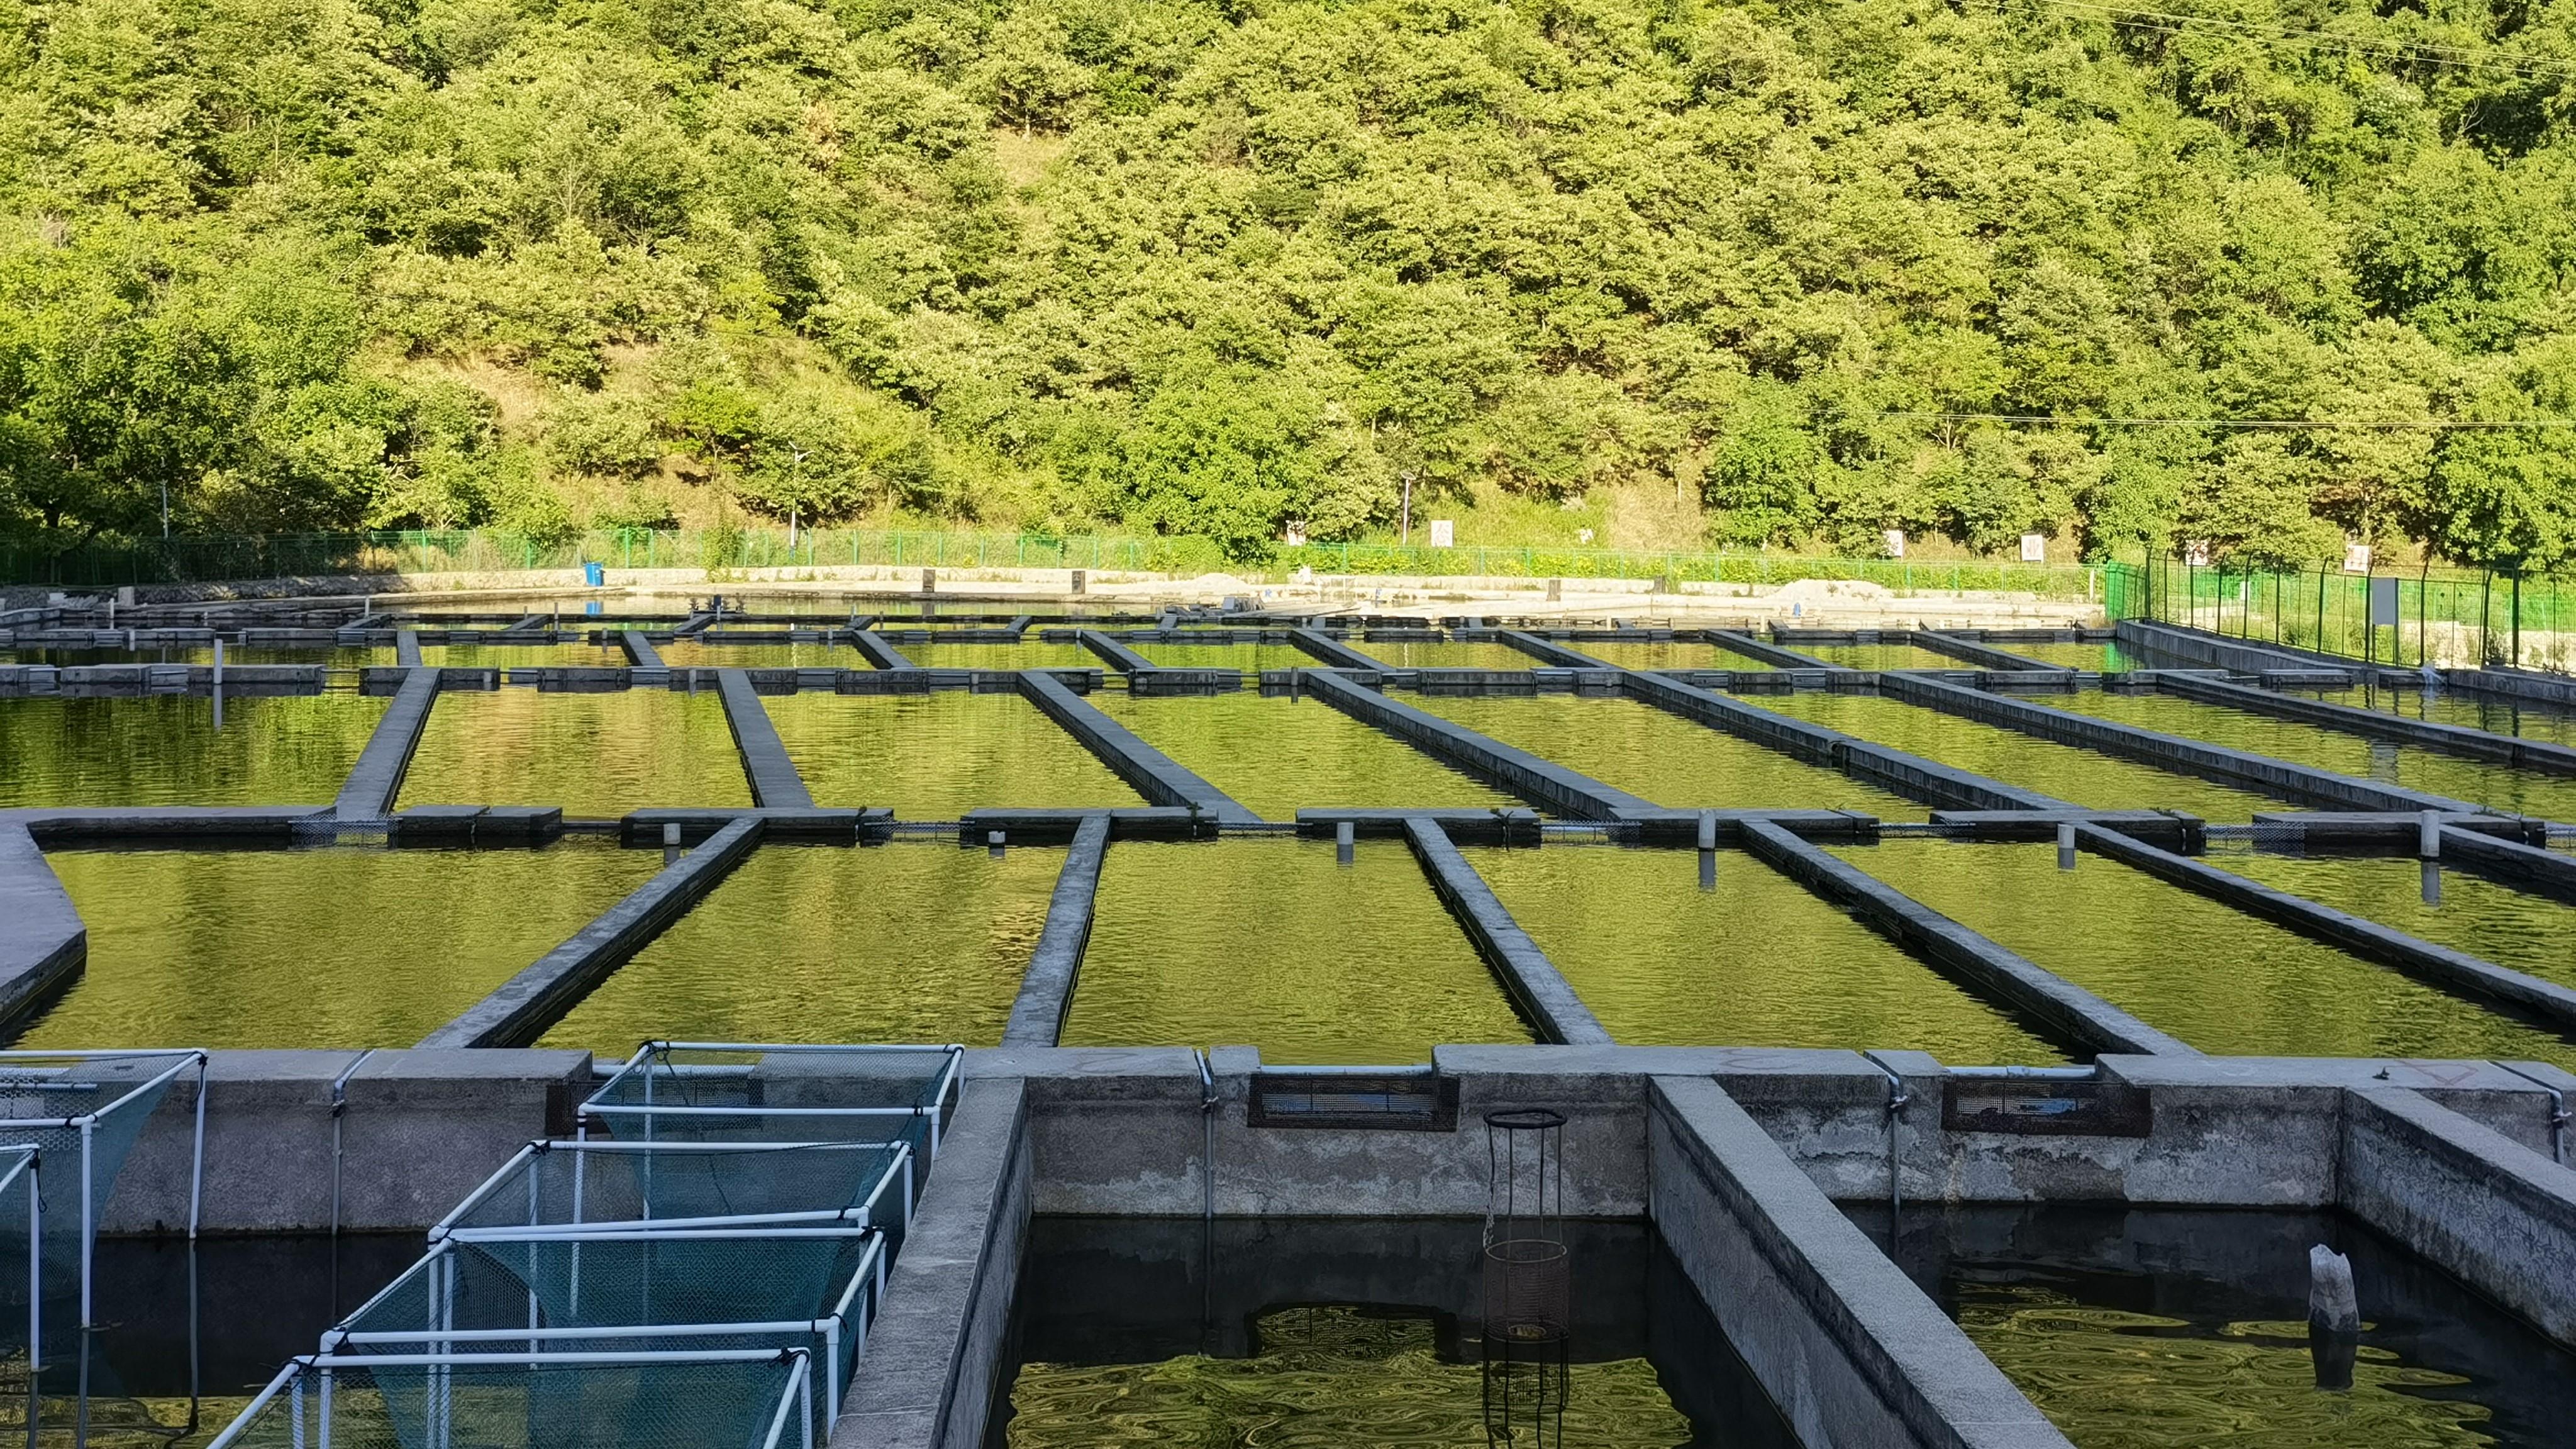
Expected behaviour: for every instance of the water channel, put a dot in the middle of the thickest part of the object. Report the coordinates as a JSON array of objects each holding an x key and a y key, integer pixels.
[
  {"x": 937, "y": 755},
  {"x": 598, "y": 756},
  {"x": 167, "y": 749},
  {"x": 1278, "y": 754}
]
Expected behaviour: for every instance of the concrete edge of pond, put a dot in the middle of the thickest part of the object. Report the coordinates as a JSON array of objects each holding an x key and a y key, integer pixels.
[
  {"x": 2514, "y": 684},
  {"x": 1156, "y": 776},
  {"x": 1984, "y": 656},
  {"x": 1542, "y": 782},
  {"x": 2216, "y": 651},
  {"x": 2478, "y": 744},
  {"x": 1046, "y": 988},
  {"x": 1334, "y": 652},
  {"x": 1536, "y": 988},
  {"x": 766, "y": 767},
  {"x": 878, "y": 650},
  {"x": 1766, "y": 651},
  {"x": 47, "y": 944},
  {"x": 377, "y": 777},
  {"x": 2511, "y": 862},
  {"x": 521, "y": 1008}
]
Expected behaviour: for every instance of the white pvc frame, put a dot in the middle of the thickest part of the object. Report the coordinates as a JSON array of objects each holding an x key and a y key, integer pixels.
[
  {"x": 871, "y": 1269},
  {"x": 88, "y": 1125},
  {"x": 949, "y": 1092},
  {"x": 863, "y": 1215},
  {"x": 795, "y": 1399},
  {"x": 24, "y": 1159}
]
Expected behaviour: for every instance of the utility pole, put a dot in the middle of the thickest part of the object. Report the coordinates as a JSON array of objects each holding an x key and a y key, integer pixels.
[
  {"x": 795, "y": 495},
  {"x": 1404, "y": 532}
]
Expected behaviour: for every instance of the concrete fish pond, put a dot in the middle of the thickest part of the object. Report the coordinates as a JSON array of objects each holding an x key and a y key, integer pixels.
[{"x": 922, "y": 1022}]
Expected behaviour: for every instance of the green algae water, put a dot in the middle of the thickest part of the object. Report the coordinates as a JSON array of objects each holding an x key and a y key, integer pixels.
[
  {"x": 2219, "y": 979},
  {"x": 1446, "y": 654},
  {"x": 1659, "y": 756},
  {"x": 2496, "y": 714},
  {"x": 916, "y": 941},
  {"x": 1879, "y": 656},
  {"x": 2491, "y": 786},
  {"x": 1268, "y": 942},
  {"x": 1323, "y": 1333},
  {"x": 1030, "y": 653},
  {"x": 340, "y": 947},
  {"x": 2066, "y": 772},
  {"x": 937, "y": 755},
  {"x": 523, "y": 656},
  {"x": 1665, "y": 654},
  {"x": 2495, "y": 922},
  {"x": 1663, "y": 962},
  {"x": 166, "y": 749},
  {"x": 692, "y": 654},
  {"x": 1278, "y": 754},
  {"x": 1244, "y": 658},
  {"x": 598, "y": 756},
  {"x": 2100, "y": 657},
  {"x": 2159, "y": 1329}
]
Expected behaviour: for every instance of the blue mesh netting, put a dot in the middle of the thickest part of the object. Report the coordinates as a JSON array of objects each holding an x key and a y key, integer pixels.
[
  {"x": 37, "y": 1094},
  {"x": 565, "y": 1183},
  {"x": 760, "y": 1094},
  {"x": 529, "y": 1405}
]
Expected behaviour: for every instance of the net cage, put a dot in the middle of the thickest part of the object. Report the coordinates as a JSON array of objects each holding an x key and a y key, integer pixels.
[
  {"x": 22, "y": 1222},
  {"x": 615, "y": 1186},
  {"x": 750, "y": 1092},
  {"x": 814, "y": 1289},
  {"x": 735, "y": 1399},
  {"x": 83, "y": 1111}
]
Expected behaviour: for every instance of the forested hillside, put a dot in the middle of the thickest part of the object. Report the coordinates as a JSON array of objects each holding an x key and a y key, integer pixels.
[{"x": 1207, "y": 267}]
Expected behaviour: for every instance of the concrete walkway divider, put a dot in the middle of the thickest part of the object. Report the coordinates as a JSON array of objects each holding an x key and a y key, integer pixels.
[
  {"x": 1155, "y": 775},
  {"x": 2214, "y": 651},
  {"x": 520, "y": 1009},
  {"x": 1768, "y": 652},
  {"x": 2530, "y": 867},
  {"x": 775, "y": 784},
  {"x": 1532, "y": 981},
  {"x": 1984, "y": 656},
  {"x": 1333, "y": 651},
  {"x": 1046, "y": 990},
  {"x": 46, "y": 944},
  {"x": 1112, "y": 653},
  {"x": 2424, "y": 960},
  {"x": 2172, "y": 752},
  {"x": 377, "y": 778},
  {"x": 876, "y": 649},
  {"x": 2067, "y": 1010},
  {"x": 1847, "y": 1347},
  {"x": 2379, "y": 724},
  {"x": 1551, "y": 651},
  {"x": 407, "y": 648},
  {"x": 1542, "y": 782},
  {"x": 639, "y": 650}
]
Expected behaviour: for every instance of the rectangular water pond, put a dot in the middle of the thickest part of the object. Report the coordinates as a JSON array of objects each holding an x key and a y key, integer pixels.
[
  {"x": 341, "y": 947},
  {"x": 2152, "y": 1329},
  {"x": 2064, "y": 772},
  {"x": 1879, "y": 656},
  {"x": 1030, "y": 653},
  {"x": 1664, "y": 961},
  {"x": 1245, "y": 658},
  {"x": 598, "y": 756},
  {"x": 1268, "y": 942},
  {"x": 937, "y": 755},
  {"x": 1278, "y": 754},
  {"x": 2494, "y": 713},
  {"x": 523, "y": 656},
  {"x": 915, "y": 941},
  {"x": 2105, "y": 656},
  {"x": 1347, "y": 1332},
  {"x": 1447, "y": 654},
  {"x": 692, "y": 654},
  {"x": 1660, "y": 756},
  {"x": 2480, "y": 782},
  {"x": 167, "y": 749},
  {"x": 2219, "y": 979},
  {"x": 2465, "y": 911},
  {"x": 1666, "y": 654}
]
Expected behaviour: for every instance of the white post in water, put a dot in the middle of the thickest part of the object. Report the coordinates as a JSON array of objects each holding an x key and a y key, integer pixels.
[
  {"x": 2428, "y": 835},
  {"x": 993, "y": 843},
  {"x": 2066, "y": 845},
  {"x": 219, "y": 664},
  {"x": 2334, "y": 1317},
  {"x": 1708, "y": 850},
  {"x": 670, "y": 841},
  {"x": 2432, "y": 870},
  {"x": 1345, "y": 842}
]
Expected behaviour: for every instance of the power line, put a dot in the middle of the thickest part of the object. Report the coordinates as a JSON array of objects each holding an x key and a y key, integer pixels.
[{"x": 2244, "y": 424}]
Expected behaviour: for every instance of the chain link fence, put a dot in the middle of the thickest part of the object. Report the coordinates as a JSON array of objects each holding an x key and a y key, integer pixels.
[{"x": 2458, "y": 619}]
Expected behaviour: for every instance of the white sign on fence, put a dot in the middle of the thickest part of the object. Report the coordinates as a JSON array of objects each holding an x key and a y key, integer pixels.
[
  {"x": 1896, "y": 543},
  {"x": 1444, "y": 533},
  {"x": 1296, "y": 536},
  {"x": 2034, "y": 549},
  {"x": 2356, "y": 558},
  {"x": 2195, "y": 553}
]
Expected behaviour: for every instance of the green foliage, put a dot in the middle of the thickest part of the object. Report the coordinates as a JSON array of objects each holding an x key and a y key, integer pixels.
[{"x": 1207, "y": 267}]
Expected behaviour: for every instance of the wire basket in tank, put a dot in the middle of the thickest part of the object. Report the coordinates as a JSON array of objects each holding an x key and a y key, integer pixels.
[{"x": 1528, "y": 1279}]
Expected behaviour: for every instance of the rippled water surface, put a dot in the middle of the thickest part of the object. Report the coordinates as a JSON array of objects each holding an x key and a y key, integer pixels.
[
  {"x": 2065, "y": 772},
  {"x": 691, "y": 654},
  {"x": 523, "y": 656},
  {"x": 914, "y": 941},
  {"x": 2101, "y": 657},
  {"x": 2508, "y": 927},
  {"x": 165, "y": 749},
  {"x": 1268, "y": 942},
  {"x": 1245, "y": 658},
  {"x": 2495, "y": 714},
  {"x": 341, "y": 947},
  {"x": 1279, "y": 754},
  {"x": 1660, "y": 756},
  {"x": 1663, "y": 962},
  {"x": 1665, "y": 654},
  {"x": 1451, "y": 654},
  {"x": 596, "y": 755},
  {"x": 1879, "y": 656},
  {"x": 1030, "y": 653},
  {"x": 1324, "y": 1334},
  {"x": 937, "y": 755},
  {"x": 2498, "y": 787},
  {"x": 2211, "y": 975},
  {"x": 2164, "y": 1329}
]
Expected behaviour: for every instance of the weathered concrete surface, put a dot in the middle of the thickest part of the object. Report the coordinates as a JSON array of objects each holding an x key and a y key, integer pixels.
[
  {"x": 2442, "y": 966},
  {"x": 1845, "y": 1344},
  {"x": 419, "y": 1130},
  {"x": 2066, "y": 1009},
  {"x": 66, "y": 824},
  {"x": 1981, "y": 655},
  {"x": 1550, "y": 651},
  {"x": 43, "y": 943},
  {"x": 879, "y": 652},
  {"x": 1333, "y": 651},
  {"x": 1155, "y": 775},
  {"x": 1531, "y": 980},
  {"x": 1116, "y": 655},
  {"x": 2515, "y": 684},
  {"x": 639, "y": 650},
  {"x": 2215, "y": 652},
  {"x": 2380, "y": 724},
  {"x": 369, "y": 792},
  {"x": 521, "y": 1008},
  {"x": 2173, "y": 752},
  {"x": 935, "y": 1351},
  {"x": 2497, "y": 1215},
  {"x": 2512, "y": 862},
  {"x": 775, "y": 785},
  {"x": 407, "y": 648},
  {"x": 1046, "y": 991},
  {"x": 1539, "y": 781}
]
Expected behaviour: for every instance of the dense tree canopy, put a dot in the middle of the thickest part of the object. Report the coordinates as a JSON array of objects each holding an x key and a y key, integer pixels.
[{"x": 1208, "y": 267}]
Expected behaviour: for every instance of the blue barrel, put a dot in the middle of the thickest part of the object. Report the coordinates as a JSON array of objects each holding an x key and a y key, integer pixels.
[{"x": 594, "y": 574}]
